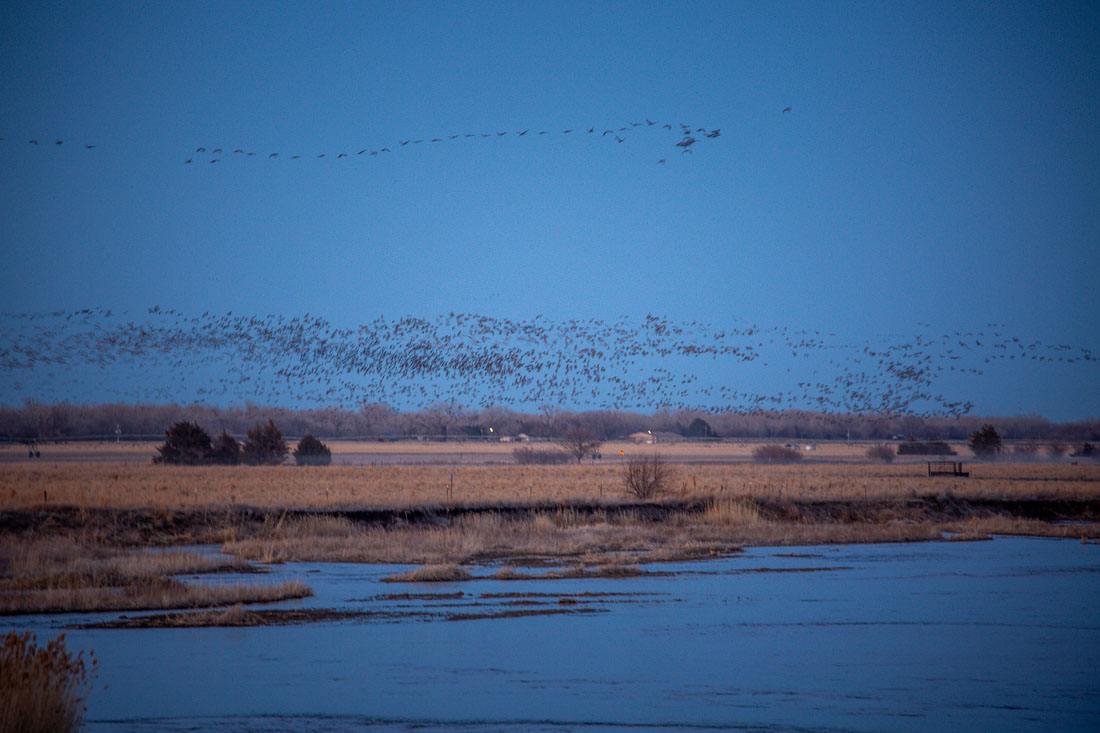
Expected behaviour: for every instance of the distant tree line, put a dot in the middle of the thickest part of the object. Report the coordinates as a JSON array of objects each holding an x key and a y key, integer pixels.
[{"x": 40, "y": 421}]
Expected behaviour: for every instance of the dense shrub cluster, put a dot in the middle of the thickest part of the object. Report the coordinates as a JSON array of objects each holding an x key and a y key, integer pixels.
[
  {"x": 312, "y": 452},
  {"x": 265, "y": 446},
  {"x": 187, "y": 444},
  {"x": 527, "y": 456},
  {"x": 226, "y": 450},
  {"x": 881, "y": 452},
  {"x": 775, "y": 453},
  {"x": 985, "y": 442},
  {"x": 699, "y": 429}
]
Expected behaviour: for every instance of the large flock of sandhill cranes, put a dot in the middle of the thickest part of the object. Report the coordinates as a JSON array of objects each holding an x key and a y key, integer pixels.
[{"x": 647, "y": 362}]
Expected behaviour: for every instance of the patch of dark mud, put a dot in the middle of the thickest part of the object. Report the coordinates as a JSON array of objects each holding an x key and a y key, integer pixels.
[
  {"x": 158, "y": 526},
  {"x": 230, "y": 618},
  {"x": 749, "y": 571},
  {"x": 740, "y": 571},
  {"x": 611, "y": 573},
  {"x": 928, "y": 509},
  {"x": 521, "y": 614},
  {"x": 585, "y": 594},
  {"x": 411, "y": 597}
]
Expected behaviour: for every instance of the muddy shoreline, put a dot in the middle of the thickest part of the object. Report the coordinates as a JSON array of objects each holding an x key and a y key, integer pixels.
[{"x": 174, "y": 526}]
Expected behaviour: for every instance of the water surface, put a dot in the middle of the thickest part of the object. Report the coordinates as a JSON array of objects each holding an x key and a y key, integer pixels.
[{"x": 949, "y": 635}]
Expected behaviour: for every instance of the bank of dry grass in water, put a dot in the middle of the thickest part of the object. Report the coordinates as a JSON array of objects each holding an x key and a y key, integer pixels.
[
  {"x": 611, "y": 570},
  {"x": 430, "y": 574},
  {"x": 61, "y": 575},
  {"x": 133, "y": 485},
  {"x": 44, "y": 687},
  {"x": 602, "y": 539},
  {"x": 234, "y": 616},
  {"x": 43, "y": 563},
  {"x": 155, "y": 594},
  {"x": 986, "y": 527}
]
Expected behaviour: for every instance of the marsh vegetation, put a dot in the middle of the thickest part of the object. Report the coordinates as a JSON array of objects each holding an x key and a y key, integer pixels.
[
  {"x": 78, "y": 536},
  {"x": 68, "y": 573}
]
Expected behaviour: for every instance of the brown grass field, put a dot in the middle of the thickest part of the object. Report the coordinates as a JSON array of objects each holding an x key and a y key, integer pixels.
[{"x": 105, "y": 484}]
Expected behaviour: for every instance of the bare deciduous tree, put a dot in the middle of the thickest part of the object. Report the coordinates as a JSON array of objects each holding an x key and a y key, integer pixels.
[
  {"x": 580, "y": 442},
  {"x": 647, "y": 476}
]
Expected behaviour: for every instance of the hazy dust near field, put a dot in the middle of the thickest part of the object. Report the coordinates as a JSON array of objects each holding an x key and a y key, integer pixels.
[
  {"x": 129, "y": 484},
  {"x": 413, "y": 452}
]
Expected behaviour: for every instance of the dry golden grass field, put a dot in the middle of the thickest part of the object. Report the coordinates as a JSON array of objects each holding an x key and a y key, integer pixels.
[{"x": 131, "y": 484}]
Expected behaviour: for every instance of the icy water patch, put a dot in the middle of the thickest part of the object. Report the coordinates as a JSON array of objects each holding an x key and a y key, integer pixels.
[{"x": 1002, "y": 634}]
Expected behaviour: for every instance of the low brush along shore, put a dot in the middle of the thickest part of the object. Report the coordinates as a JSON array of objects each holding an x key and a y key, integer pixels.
[{"x": 106, "y": 554}]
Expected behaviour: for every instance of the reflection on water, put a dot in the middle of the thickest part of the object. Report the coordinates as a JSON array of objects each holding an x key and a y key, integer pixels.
[{"x": 950, "y": 635}]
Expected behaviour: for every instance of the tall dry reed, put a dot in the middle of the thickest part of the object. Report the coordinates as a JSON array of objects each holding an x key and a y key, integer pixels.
[{"x": 44, "y": 688}]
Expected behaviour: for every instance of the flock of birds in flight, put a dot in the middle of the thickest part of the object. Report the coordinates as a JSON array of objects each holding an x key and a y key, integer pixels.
[
  {"x": 469, "y": 359},
  {"x": 688, "y": 136},
  {"x": 630, "y": 363}
]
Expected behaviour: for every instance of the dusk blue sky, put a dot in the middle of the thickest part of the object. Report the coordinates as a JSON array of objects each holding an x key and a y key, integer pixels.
[{"x": 938, "y": 169}]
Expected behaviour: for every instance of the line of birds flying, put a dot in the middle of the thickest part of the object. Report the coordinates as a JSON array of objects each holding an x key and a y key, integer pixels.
[{"x": 689, "y": 135}]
